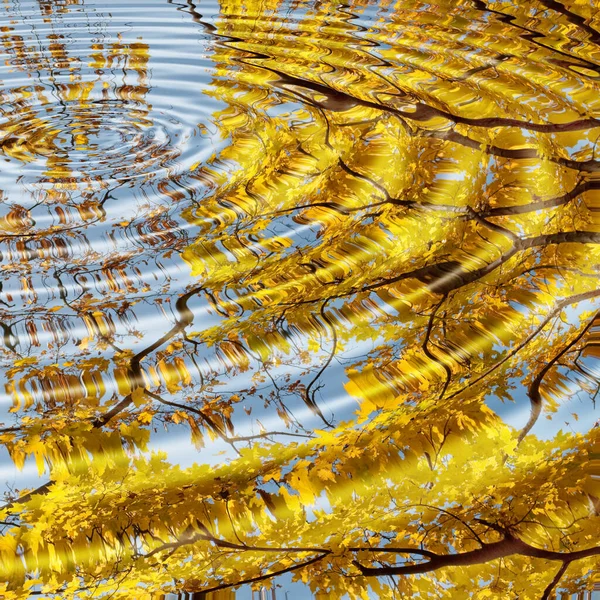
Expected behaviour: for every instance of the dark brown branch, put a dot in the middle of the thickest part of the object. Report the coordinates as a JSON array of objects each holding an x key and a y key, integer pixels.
[
  {"x": 338, "y": 100},
  {"x": 42, "y": 489},
  {"x": 534, "y": 394},
  {"x": 447, "y": 276},
  {"x": 466, "y": 212},
  {"x": 506, "y": 547},
  {"x": 266, "y": 576},
  {"x": 572, "y": 17},
  {"x": 430, "y": 354},
  {"x": 224, "y": 544},
  {"x": 309, "y": 396},
  {"x": 394, "y": 550},
  {"x": 186, "y": 316},
  {"x": 10, "y": 429},
  {"x": 511, "y": 153},
  {"x": 555, "y": 202},
  {"x": 555, "y": 580},
  {"x": 553, "y": 313}
]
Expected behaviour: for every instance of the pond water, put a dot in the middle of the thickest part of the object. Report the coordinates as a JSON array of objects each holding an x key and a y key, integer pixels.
[{"x": 299, "y": 297}]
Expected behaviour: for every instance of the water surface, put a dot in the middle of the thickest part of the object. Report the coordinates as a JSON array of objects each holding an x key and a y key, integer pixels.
[{"x": 286, "y": 285}]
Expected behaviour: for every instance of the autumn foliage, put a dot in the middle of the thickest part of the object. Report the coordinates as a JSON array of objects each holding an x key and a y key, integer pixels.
[{"x": 391, "y": 242}]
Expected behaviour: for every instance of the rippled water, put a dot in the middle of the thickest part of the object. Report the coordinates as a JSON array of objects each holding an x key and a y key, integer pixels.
[{"x": 339, "y": 262}]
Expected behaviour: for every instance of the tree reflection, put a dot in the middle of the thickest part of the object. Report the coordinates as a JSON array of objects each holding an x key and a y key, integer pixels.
[{"x": 396, "y": 211}]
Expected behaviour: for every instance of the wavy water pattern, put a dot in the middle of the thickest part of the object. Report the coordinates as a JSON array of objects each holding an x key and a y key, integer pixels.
[{"x": 299, "y": 293}]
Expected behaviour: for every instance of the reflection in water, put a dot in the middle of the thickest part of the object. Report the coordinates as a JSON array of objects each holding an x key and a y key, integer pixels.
[{"x": 331, "y": 244}]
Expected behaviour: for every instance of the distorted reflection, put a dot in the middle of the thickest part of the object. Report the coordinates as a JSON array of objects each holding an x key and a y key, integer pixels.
[{"x": 300, "y": 289}]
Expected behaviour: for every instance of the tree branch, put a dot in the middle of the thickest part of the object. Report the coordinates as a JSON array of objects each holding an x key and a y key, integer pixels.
[
  {"x": 555, "y": 580},
  {"x": 265, "y": 576},
  {"x": 506, "y": 547}
]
